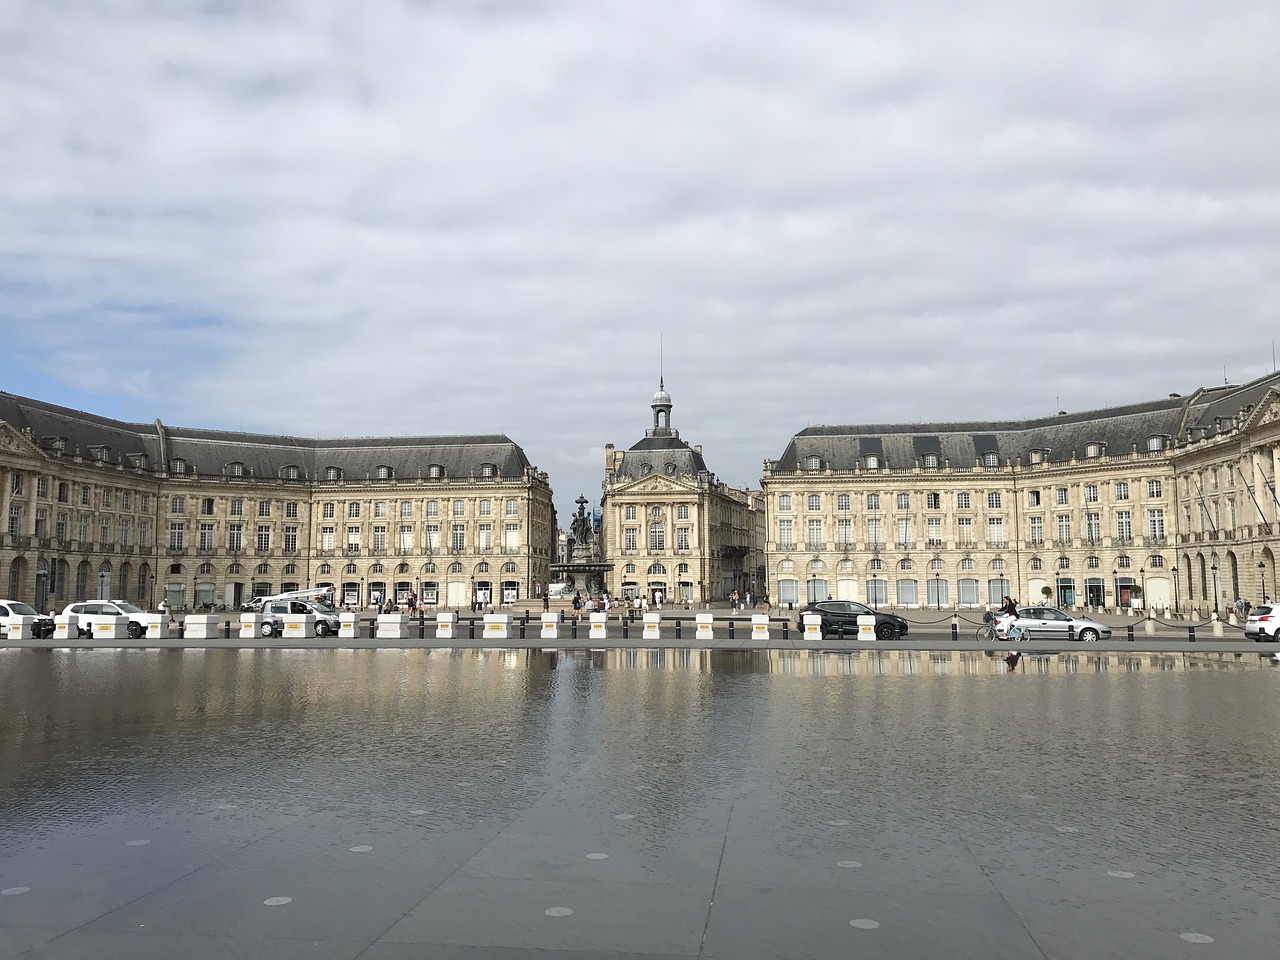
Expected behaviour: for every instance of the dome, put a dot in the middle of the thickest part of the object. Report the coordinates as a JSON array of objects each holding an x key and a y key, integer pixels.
[{"x": 662, "y": 397}]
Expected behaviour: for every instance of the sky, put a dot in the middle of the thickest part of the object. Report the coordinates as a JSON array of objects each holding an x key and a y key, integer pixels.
[{"x": 426, "y": 217}]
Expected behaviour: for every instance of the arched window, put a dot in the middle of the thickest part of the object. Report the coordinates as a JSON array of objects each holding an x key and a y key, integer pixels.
[
  {"x": 384, "y": 472},
  {"x": 1155, "y": 444},
  {"x": 931, "y": 461},
  {"x": 991, "y": 460},
  {"x": 488, "y": 470},
  {"x": 657, "y": 570},
  {"x": 177, "y": 466},
  {"x": 290, "y": 472},
  {"x": 349, "y": 568},
  {"x": 435, "y": 471},
  {"x": 1064, "y": 563},
  {"x": 508, "y": 567},
  {"x": 289, "y": 569},
  {"x": 325, "y": 569},
  {"x": 936, "y": 564},
  {"x": 786, "y": 566},
  {"x": 813, "y": 463},
  {"x": 1155, "y": 562},
  {"x": 629, "y": 568},
  {"x": 1093, "y": 449},
  {"x": 482, "y": 567},
  {"x": 455, "y": 567},
  {"x": 876, "y": 564},
  {"x": 905, "y": 565},
  {"x": 264, "y": 568},
  {"x": 235, "y": 469},
  {"x": 872, "y": 462},
  {"x": 429, "y": 567},
  {"x": 1037, "y": 563},
  {"x": 333, "y": 474}
]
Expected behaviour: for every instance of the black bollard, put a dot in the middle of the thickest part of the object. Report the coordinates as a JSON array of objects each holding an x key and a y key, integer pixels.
[
  {"x": 373, "y": 628},
  {"x": 472, "y": 634},
  {"x": 730, "y": 629},
  {"x": 677, "y": 628},
  {"x": 422, "y": 627},
  {"x": 1129, "y": 633},
  {"x": 226, "y": 629},
  {"x": 573, "y": 629},
  {"x": 1071, "y": 631},
  {"x": 522, "y": 623},
  {"x": 785, "y": 625},
  {"x": 955, "y": 632},
  {"x": 1191, "y": 634}
]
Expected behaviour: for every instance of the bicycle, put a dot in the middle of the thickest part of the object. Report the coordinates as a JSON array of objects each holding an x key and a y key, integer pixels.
[{"x": 1015, "y": 631}]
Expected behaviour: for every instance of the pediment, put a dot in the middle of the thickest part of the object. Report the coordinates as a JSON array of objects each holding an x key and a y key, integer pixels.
[
  {"x": 653, "y": 485},
  {"x": 13, "y": 440},
  {"x": 1265, "y": 411}
]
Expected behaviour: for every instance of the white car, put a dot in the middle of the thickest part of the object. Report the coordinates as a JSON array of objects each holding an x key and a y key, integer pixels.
[
  {"x": 1050, "y": 623},
  {"x": 43, "y": 626},
  {"x": 91, "y": 611},
  {"x": 1263, "y": 624}
]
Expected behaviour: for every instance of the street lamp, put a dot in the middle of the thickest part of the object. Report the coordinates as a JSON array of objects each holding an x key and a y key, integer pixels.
[
  {"x": 1115, "y": 587},
  {"x": 1142, "y": 572},
  {"x": 1175, "y": 589},
  {"x": 1262, "y": 579},
  {"x": 102, "y": 584},
  {"x": 193, "y": 591},
  {"x": 153, "y": 591},
  {"x": 1214, "y": 568}
]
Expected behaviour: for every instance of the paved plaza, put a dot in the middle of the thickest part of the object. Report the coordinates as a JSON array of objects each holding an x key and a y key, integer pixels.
[{"x": 726, "y": 804}]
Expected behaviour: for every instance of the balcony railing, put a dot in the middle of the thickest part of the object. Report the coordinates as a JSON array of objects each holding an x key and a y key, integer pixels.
[
  {"x": 815, "y": 545},
  {"x": 786, "y": 545}
]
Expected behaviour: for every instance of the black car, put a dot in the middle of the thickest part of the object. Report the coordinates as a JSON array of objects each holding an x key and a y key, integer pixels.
[{"x": 842, "y": 615}]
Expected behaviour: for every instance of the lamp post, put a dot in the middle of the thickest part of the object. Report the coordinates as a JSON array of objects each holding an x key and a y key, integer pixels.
[
  {"x": 153, "y": 591},
  {"x": 193, "y": 592},
  {"x": 1214, "y": 567},
  {"x": 102, "y": 584},
  {"x": 1262, "y": 578},
  {"x": 1115, "y": 587},
  {"x": 1175, "y": 589},
  {"x": 1142, "y": 572}
]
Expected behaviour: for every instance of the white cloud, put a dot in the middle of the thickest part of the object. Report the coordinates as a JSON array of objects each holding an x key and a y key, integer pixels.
[{"x": 337, "y": 219}]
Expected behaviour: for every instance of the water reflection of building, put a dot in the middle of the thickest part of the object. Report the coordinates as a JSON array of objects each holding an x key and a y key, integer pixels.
[
  {"x": 668, "y": 525},
  {"x": 1171, "y": 503},
  {"x": 94, "y": 507}
]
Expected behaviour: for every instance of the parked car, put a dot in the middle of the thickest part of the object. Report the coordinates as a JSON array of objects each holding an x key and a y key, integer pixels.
[
  {"x": 843, "y": 615},
  {"x": 1050, "y": 623},
  {"x": 1263, "y": 624},
  {"x": 90, "y": 611},
  {"x": 273, "y": 611},
  {"x": 42, "y": 629}
]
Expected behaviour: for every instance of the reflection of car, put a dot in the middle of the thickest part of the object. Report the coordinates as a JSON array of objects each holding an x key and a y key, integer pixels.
[
  {"x": 1263, "y": 624},
  {"x": 1050, "y": 623},
  {"x": 41, "y": 629},
  {"x": 273, "y": 612},
  {"x": 843, "y": 615},
  {"x": 90, "y": 611}
]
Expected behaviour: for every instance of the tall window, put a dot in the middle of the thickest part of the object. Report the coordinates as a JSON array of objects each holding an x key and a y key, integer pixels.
[
  {"x": 433, "y": 508},
  {"x": 484, "y": 536},
  {"x": 904, "y": 533},
  {"x": 264, "y": 508},
  {"x": 264, "y": 536},
  {"x": 406, "y": 536},
  {"x": 235, "y": 536},
  {"x": 1033, "y": 498},
  {"x": 42, "y": 523},
  {"x": 1154, "y": 489},
  {"x": 291, "y": 539},
  {"x": 875, "y": 533},
  {"x": 629, "y": 511},
  {"x": 237, "y": 507},
  {"x": 177, "y": 535},
  {"x": 995, "y": 532},
  {"x": 291, "y": 510},
  {"x": 353, "y": 538},
  {"x": 933, "y": 501},
  {"x": 682, "y": 512},
  {"x": 844, "y": 530},
  {"x": 177, "y": 504},
  {"x": 1060, "y": 496},
  {"x": 106, "y": 494},
  {"x": 379, "y": 509},
  {"x": 963, "y": 501},
  {"x": 433, "y": 536},
  {"x": 1155, "y": 524},
  {"x": 1093, "y": 527},
  {"x": 1122, "y": 491},
  {"x": 353, "y": 510},
  {"x": 458, "y": 536},
  {"x": 1064, "y": 526},
  {"x": 933, "y": 530},
  {"x": 814, "y": 501},
  {"x": 485, "y": 508},
  {"x": 459, "y": 508},
  {"x": 380, "y": 537},
  {"x": 814, "y": 536},
  {"x": 1036, "y": 530},
  {"x": 994, "y": 500},
  {"x": 1090, "y": 493},
  {"x": 873, "y": 501},
  {"x": 964, "y": 531},
  {"x": 682, "y": 538},
  {"x": 206, "y": 536},
  {"x": 126, "y": 531},
  {"x": 784, "y": 502},
  {"x": 406, "y": 509},
  {"x": 60, "y": 528},
  {"x": 657, "y": 537},
  {"x": 630, "y": 539},
  {"x": 104, "y": 530},
  {"x": 1124, "y": 525},
  {"x": 144, "y": 533},
  {"x": 511, "y": 536},
  {"x": 904, "y": 501},
  {"x": 842, "y": 501},
  {"x": 326, "y": 538}
]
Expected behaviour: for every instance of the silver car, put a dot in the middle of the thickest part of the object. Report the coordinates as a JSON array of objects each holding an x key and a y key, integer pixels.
[{"x": 1050, "y": 623}]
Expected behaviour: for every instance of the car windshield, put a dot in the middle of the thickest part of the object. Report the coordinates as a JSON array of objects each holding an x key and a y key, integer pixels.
[
  {"x": 20, "y": 609},
  {"x": 1257, "y": 611},
  {"x": 126, "y": 607},
  {"x": 324, "y": 604}
]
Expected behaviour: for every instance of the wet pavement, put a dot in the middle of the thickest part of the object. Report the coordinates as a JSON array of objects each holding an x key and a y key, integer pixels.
[{"x": 677, "y": 802}]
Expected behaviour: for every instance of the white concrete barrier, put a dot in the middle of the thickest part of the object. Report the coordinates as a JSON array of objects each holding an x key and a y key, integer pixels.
[
  {"x": 550, "y": 627},
  {"x": 652, "y": 629},
  {"x": 197, "y": 626},
  {"x": 393, "y": 626},
  {"x": 1150, "y": 628},
  {"x": 497, "y": 626},
  {"x": 20, "y": 628},
  {"x": 250, "y": 626},
  {"x": 446, "y": 625},
  {"x": 759, "y": 626},
  {"x": 157, "y": 626},
  {"x": 298, "y": 626},
  {"x": 347, "y": 625},
  {"x": 812, "y": 626},
  {"x": 599, "y": 629},
  {"x": 1217, "y": 625},
  {"x": 704, "y": 626},
  {"x": 866, "y": 627},
  {"x": 66, "y": 626},
  {"x": 110, "y": 628}
]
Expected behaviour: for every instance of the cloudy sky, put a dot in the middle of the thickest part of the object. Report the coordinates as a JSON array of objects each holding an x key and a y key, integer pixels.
[{"x": 328, "y": 218}]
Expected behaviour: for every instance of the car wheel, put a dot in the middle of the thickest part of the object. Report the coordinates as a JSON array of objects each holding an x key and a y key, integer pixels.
[
  {"x": 268, "y": 628},
  {"x": 1088, "y": 635},
  {"x": 134, "y": 630},
  {"x": 886, "y": 631},
  {"x": 322, "y": 628}
]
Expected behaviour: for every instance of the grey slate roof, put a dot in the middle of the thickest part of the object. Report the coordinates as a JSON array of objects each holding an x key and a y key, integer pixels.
[
  {"x": 669, "y": 456},
  {"x": 1119, "y": 429},
  {"x": 207, "y": 452}
]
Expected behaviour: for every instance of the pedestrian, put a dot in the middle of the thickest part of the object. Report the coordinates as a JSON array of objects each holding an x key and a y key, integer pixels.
[
  {"x": 750, "y": 600},
  {"x": 767, "y": 606},
  {"x": 1247, "y": 607},
  {"x": 577, "y": 602},
  {"x": 546, "y": 602}
]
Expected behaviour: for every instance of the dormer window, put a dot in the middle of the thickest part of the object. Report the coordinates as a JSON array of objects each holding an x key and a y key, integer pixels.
[
  {"x": 100, "y": 454},
  {"x": 290, "y": 472},
  {"x": 140, "y": 461},
  {"x": 1155, "y": 444},
  {"x": 235, "y": 469},
  {"x": 813, "y": 463},
  {"x": 435, "y": 472},
  {"x": 872, "y": 462},
  {"x": 333, "y": 474},
  {"x": 57, "y": 445},
  {"x": 1037, "y": 456},
  {"x": 931, "y": 461},
  {"x": 488, "y": 470},
  {"x": 1092, "y": 450},
  {"x": 178, "y": 467},
  {"x": 991, "y": 460},
  {"x": 384, "y": 472}
]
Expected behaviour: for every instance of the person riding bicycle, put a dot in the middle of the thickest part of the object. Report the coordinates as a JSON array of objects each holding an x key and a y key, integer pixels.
[{"x": 1009, "y": 607}]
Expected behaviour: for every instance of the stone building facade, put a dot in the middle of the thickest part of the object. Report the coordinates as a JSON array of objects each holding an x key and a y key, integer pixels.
[
  {"x": 94, "y": 507},
  {"x": 668, "y": 525},
  {"x": 1121, "y": 507}
]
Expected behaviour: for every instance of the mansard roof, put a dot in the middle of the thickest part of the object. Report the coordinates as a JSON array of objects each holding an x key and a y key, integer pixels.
[
  {"x": 653, "y": 454},
  {"x": 208, "y": 452}
]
